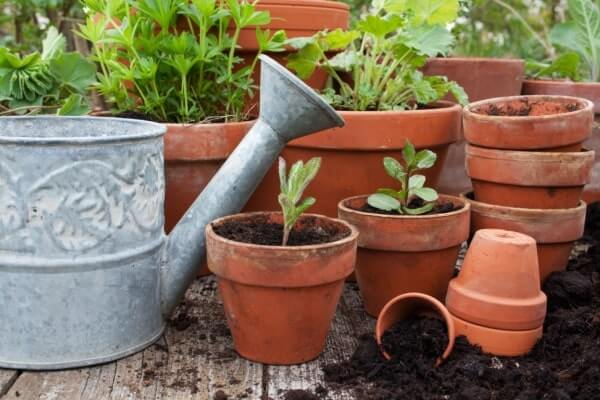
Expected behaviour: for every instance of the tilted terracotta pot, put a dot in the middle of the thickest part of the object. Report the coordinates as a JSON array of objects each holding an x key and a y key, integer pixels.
[
  {"x": 564, "y": 131},
  {"x": 280, "y": 301},
  {"x": 554, "y": 230},
  {"x": 193, "y": 154},
  {"x": 352, "y": 156},
  {"x": 528, "y": 179},
  {"x": 499, "y": 282},
  {"x": 402, "y": 254},
  {"x": 407, "y": 304},
  {"x": 587, "y": 90}
]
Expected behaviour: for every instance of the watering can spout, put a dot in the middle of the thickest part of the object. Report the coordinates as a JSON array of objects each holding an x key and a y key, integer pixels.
[{"x": 288, "y": 109}]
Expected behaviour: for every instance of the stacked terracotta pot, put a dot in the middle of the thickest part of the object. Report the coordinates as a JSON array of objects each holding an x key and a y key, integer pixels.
[{"x": 528, "y": 169}]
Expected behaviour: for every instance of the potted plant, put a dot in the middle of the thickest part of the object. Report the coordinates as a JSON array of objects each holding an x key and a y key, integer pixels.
[
  {"x": 190, "y": 79},
  {"x": 51, "y": 82},
  {"x": 409, "y": 238},
  {"x": 375, "y": 82},
  {"x": 280, "y": 275}
]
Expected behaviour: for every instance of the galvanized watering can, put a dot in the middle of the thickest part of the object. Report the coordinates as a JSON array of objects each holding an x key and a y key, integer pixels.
[{"x": 87, "y": 274}]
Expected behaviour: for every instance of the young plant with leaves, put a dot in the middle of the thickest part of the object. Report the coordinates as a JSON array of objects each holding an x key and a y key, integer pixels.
[
  {"x": 173, "y": 60},
  {"x": 412, "y": 185},
  {"x": 375, "y": 66},
  {"x": 54, "y": 81},
  {"x": 292, "y": 187}
]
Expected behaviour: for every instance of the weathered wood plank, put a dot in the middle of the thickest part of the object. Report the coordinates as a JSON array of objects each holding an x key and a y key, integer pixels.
[
  {"x": 7, "y": 378},
  {"x": 63, "y": 385}
]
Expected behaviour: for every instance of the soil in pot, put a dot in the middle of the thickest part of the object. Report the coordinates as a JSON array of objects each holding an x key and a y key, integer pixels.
[
  {"x": 527, "y": 108},
  {"x": 563, "y": 365}
]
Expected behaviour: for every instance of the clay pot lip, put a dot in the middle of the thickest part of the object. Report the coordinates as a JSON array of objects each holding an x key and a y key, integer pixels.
[
  {"x": 561, "y": 82},
  {"x": 492, "y": 60},
  {"x": 437, "y": 107},
  {"x": 338, "y": 5},
  {"x": 352, "y": 237},
  {"x": 584, "y": 155},
  {"x": 469, "y": 113},
  {"x": 209, "y": 124},
  {"x": 466, "y": 206},
  {"x": 436, "y": 304}
]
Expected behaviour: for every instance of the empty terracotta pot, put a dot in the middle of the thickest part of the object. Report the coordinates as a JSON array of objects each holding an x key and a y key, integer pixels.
[
  {"x": 399, "y": 254},
  {"x": 499, "y": 282},
  {"x": 529, "y": 123},
  {"x": 554, "y": 230},
  {"x": 528, "y": 179},
  {"x": 352, "y": 155},
  {"x": 407, "y": 304},
  {"x": 280, "y": 301}
]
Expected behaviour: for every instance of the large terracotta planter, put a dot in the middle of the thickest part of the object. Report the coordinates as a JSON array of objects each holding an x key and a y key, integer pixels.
[
  {"x": 402, "y": 254},
  {"x": 193, "y": 154},
  {"x": 556, "y": 130},
  {"x": 352, "y": 156},
  {"x": 587, "y": 90},
  {"x": 528, "y": 179},
  {"x": 280, "y": 301},
  {"x": 555, "y": 230}
]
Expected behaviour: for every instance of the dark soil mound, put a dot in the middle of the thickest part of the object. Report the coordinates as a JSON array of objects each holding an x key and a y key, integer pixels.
[
  {"x": 526, "y": 108},
  {"x": 565, "y": 364}
]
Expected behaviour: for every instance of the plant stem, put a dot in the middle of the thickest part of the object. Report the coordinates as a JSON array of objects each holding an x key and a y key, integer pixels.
[{"x": 286, "y": 234}]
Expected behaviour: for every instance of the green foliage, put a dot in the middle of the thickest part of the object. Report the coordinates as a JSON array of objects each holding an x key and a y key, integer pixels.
[
  {"x": 175, "y": 61},
  {"x": 412, "y": 185},
  {"x": 53, "y": 81},
  {"x": 375, "y": 65},
  {"x": 292, "y": 187}
]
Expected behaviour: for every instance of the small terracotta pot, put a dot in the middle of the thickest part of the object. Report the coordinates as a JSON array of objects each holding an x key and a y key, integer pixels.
[
  {"x": 587, "y": 90},
  {"x": 352, "y": 156},
  {"x": 499, "y": 282},
  {"x": 193, "y": 154},
  {"x": 561, "y": 131},
  {"x": 528, "y": 179},
  {"x": 407, "y": 304},
  {"x": 280, "y": 301},
  {"x": 554, "y": 230},
  {"x": 402, "y": 254}
]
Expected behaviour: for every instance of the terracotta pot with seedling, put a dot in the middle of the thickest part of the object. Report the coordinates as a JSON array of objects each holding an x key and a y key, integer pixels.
[
  {"x": 409, "y": 237},
  {"x": 281, "y": 275}
]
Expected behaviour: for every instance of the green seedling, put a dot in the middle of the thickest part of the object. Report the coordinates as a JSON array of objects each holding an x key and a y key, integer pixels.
[
  {"x": 412, "y": 185},
  {"x": 292, "y": 186}
]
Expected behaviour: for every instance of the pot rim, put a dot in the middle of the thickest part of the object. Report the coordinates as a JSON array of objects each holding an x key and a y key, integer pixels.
[
  {"x": 353, "y": 236},
  {"x": 488, "y": 59},
  {"x": 526, "y": 212},
  {"x": 522, "y": 155},
  {"x": 215, "y": 124},
  {"x": 561, "y": 82},
  {"x": 444, "y": 105},
  {"x": 466, "y": 206},
  {"x": 469, "y": 113},
  {"x": 337, "y": 5}
]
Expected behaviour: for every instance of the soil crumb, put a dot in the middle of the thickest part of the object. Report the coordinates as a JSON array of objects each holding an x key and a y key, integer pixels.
[
  {"x": 564, "y": 364},
  {"x": 259, "y": 229},
  {"x": 526, "y": 108},
  {"x": 220, "y": 395},
  {"x": 416, "y": 338},
  {"x": 299, "y": 394}
]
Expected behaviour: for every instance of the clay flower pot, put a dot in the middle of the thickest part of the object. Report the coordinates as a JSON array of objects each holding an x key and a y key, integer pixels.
[
  {"x": 352, "y": 154},
  {"x": 399, "y": 254},
  {"x": 555, "y": 230},
  {"x": 193, "y": 154},
  {"x": 528, "y": 179},
  {"x": 407, "y": 304},
  {"x": 587, "y": 90},
  {"x": 280, "y": 301},
  {"x": 559, "y": 123}
]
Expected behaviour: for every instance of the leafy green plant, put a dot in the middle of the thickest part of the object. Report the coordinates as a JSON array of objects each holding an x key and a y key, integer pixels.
[
  {"x": 175, "y": 61},
  {"x": 375, "y": 66},
  {"x": 53, "y": 81},
  {"x": 412, "y": 185},
  {"x": 292, "y": 187}
]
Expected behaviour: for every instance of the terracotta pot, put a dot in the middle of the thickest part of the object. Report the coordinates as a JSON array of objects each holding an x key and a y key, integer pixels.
[
  {"x": 528, "y": 179},
  {"x": 193, "y": 154},
  {"x": 499, "y": 282},
  {"x": 280, "y": 301},
  {"x": 407, "y": 304},
  {"x": 587, "y": 90},
  {"x": 554, "y": 230},
  {"x": 402, "y": 254},
  {"x": 352, "y": 156},
  {"x": 563, "y": 131}
]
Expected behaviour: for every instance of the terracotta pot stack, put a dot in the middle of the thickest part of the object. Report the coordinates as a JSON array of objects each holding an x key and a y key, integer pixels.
[{"x": 528, "y": 169}]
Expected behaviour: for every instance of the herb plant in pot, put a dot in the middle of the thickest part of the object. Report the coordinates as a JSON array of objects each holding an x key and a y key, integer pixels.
[
  {"x": 190, "y": 79},
  {"x": 409, "y": 238},
  {"x": 280, "y": 275},
  {"x": 375, "y": 83}
]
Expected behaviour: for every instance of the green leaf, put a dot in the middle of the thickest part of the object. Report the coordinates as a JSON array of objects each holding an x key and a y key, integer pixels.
[
  {"x": 458, "y": 92},
  {"x": 389, "y": 192},
  {"x": 425, "y": 159},
  {"x": 418, "y": 211},
  {"x": 408, "y": 153},
  {"x": 393, "y": 168},
  {"x": 283, "y": 186},
  {"x": 300, "y": 42},
  {"x": 53, "y": 43},
  {"x": 305, "y": 204},
  {"x": 423, "y": 91},
  {"x": 339, "y": 39},
  {"x": 345, "y": 61},
  {"x": 427, "y": 194},
  {"x": 416, "y": 182},
  {"x": 72, "y": 70},
  {"x": 305, "y": 61},
  {"x": 74, "y": 105},
  {"x": 430, "y": 40},
  {"x": 383, "y": 202},
  {"x": 379, "y": 26},
  {"x": 433, "y": 11},
  {"x": 564, "y": 66}
]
